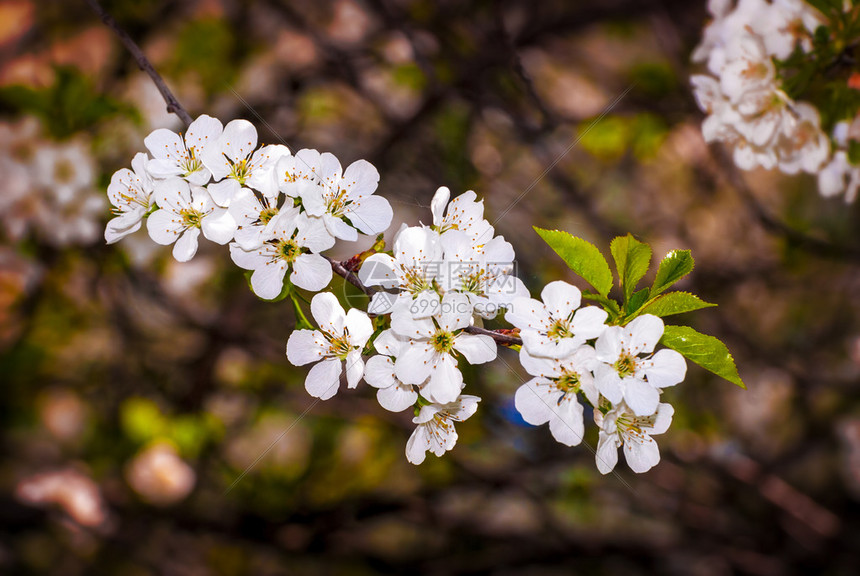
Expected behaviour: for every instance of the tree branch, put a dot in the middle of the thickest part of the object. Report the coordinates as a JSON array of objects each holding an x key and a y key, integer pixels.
[{"x": 173, "y": 105}]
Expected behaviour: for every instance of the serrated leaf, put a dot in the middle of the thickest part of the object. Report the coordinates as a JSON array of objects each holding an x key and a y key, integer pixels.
[
  {"x": 706, "y": 351},
  {"x": 632, "y": 259},
  {"x": 638, "y": 299},
  {"x": 581, "y": 256},
  {"x": 675, "y": 303},
  {"x": 674, "y": 266}
]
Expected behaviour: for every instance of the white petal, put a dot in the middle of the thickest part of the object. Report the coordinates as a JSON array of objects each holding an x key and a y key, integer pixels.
[
  {"x": 323, "y": 379},
  {"x": 378, "y": 270},
  {"x": 566, "y": 425},
  {"x": 306, "y": 346},
  {"x": 328, "y": 313},
  {"x": 446, "y": 380},
  {"x": 416, "y": 446},
  {"x": 218, "y": 226},
  {"x": 379, "y": 372},
  {"x": 413, "y": 366},
  {"x": 561, "y": 299},
  {"x": 224, "y": 192},
  {"x": 664, "y": 419},
  {"x": 666, "y": 368},
  {"x": 313, "y": 234},
  {"x": 204, "y": 131},
  {"x": 589, "y": 322},
  {"x": 437, "y": 205},
  {"x": 354, "y": 368},
  {"x": 476, "y": 348},
  {"x": 608, "y": 383},
  {"x": 164, "y": 144},
  {"x": 397, "y": 398},
  {"x": 534, "y": 399},
  {"x": 186, "y": 246},
  {"x": 643, "y": 333},
  {"x": 267, "y": 281},
  {"x": 360, "y": 327},
  {"x": 311, "y": 272},
  {"x": 360, "y": 179},
  {"x": 606, "y": 456},
  {"x": 641, "y": 396},
  {"x": 164, "y": 227},
  {"x": 371, "y": 215},
  {"x": 641, "y": 455},
  {"x": 238, "y": 140},
  {"x": 456, "y": 312},
  {"x": 608, "y": 346}
]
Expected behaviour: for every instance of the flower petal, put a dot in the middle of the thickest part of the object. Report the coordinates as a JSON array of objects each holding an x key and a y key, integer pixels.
[{"x": 323, "y": 379}]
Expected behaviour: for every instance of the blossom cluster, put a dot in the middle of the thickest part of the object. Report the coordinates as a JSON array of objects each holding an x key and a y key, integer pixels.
[
  {"x": 430, "y": 295},
  {"x": 47, "y": 187},
  {"x": 745, "y": 97}
]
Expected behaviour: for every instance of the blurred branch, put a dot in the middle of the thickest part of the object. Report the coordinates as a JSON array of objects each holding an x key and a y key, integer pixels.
[{"x": 173, "y": 105}]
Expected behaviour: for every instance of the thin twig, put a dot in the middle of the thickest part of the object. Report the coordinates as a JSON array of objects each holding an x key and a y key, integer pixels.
[{"x": 173, "y": 105}]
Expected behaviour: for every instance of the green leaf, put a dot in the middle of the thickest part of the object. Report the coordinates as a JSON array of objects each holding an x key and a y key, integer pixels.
[
  {"x": 141, "y": 420},
  {"x": 675, "y": 303},
  {"x": 706, "y": 351},
  {"x": 582, "y": 257},
  {"x": 632, "y": 259},
  {"x": 674, "y": 266},
  {"x": 638, "y": 299}
]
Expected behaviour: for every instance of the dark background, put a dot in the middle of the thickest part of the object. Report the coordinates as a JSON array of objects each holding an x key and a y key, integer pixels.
[{"x": 105, "y": 350}]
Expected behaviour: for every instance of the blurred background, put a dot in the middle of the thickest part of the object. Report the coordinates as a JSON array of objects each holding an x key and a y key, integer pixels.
[{"x": 136, "y": 391}]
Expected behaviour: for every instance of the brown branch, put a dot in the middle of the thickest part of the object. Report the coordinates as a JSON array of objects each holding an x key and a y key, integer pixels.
[{"x": 173, "y": 105}]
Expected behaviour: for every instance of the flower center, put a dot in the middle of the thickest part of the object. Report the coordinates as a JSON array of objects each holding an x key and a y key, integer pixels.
[
  {"x": 442, "y": 341},
  {"x": 568, "y": 382},
  {"x": 415, "y": 280},
  {"x": 633, "y": 425},
  {"x": 340, "y": 346},
  {"x": 337, "y": 203},
  {"x": 267, "y": 214},
  {"x": 192, "y": 164},
  {"x": 288, "y": 250},
  {"x": 625, "y": 365},
  {"x": 191, "y": 218},
  {"x": 240, "y": 171},
  {"x": 560, "y": 329}
]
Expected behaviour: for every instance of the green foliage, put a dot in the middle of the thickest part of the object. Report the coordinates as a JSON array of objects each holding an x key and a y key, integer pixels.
[
  {"x": 821, "y": 75},
  {"x": 142, "y": 422},
  {"x": 632, "y": 259},
  {"x": 654, "y": 79},
  {"x": 706, "y": 351},
  {"x": 674, "y": 303},
  {"x": 674, "y": 266},
  {"x": 70, "y": 105},
  {"x": 582, "y": 257}
]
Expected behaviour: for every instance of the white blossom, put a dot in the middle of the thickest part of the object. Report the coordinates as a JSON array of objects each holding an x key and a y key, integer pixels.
[
  {"x": 435, "y": 431},
  {"x": 173, "y": 155},
  {"x": 340, "y": 340},
  {"x": 557, "y": 326},
  {"x": 484, "y": 273},
  {"x": 185, "y": 211},
  {"x": 345, "y": 200},
  {"x": 429, "y": 355},
  {"x": 293, "y": 244},
  {"x": 412, "y": 271},
  {"x": 621, "y": 426},
  {"x": 235, "y": 162},
  {"x": 552, "y": 395},
  {"x": 255, "y": 217},
  {"x": 622, "y": 373},
  {"x": 392, "y": 394},
  {"x": 463, "y": 213},
  {"x": 130, "y": 192}
]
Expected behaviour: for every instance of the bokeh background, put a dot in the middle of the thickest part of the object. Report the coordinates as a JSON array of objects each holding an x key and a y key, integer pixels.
[{"x": 136, "y": 390}]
